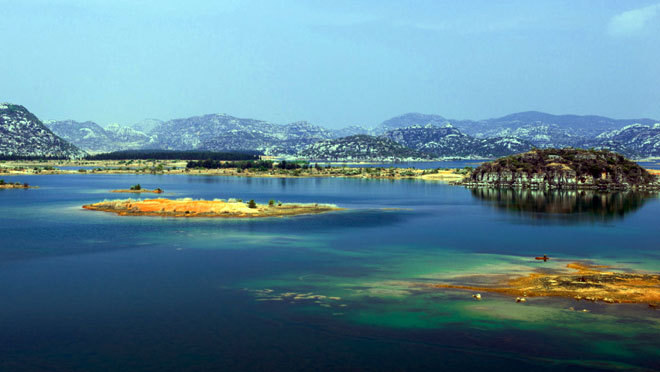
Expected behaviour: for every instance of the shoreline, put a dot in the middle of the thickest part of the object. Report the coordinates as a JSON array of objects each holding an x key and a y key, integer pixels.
[{"x": 391, "y": 173}]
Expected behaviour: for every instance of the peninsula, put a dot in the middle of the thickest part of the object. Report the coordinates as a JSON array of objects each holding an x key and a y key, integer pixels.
[
  {"x": 207, "y": 208},
  {"x": 567, "y": 168}
]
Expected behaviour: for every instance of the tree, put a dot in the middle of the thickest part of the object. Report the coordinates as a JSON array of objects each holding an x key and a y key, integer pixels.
[
  {"x": 136, "y": 187},
  {"x": 271, "y": 202},
  {"x": 252, "y": 204}
]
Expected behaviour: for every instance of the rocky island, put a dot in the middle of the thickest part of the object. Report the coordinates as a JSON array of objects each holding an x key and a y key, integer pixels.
[
  {"x": 15, "y": 185},
  {"x": 138, "y": 189},
  {"x": 563, "y": 169},
  {"x": 207, "y": 208}
]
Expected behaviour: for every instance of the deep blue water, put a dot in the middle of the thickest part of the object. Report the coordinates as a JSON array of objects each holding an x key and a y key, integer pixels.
[{"x": 85, "y": 290}]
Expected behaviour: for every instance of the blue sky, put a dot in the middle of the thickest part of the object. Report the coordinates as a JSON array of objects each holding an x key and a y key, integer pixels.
[{"x": 333, "y": 63}]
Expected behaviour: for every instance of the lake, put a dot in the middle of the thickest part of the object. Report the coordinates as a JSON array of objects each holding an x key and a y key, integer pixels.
[{"x": 92, "y": 291}]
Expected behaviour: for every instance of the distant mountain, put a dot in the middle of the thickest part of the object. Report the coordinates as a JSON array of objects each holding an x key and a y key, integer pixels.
[
  {"x": 127, "y": 136},
  {"x": 447, "y": 141},
  {"x": 360, "y": 148},
  {"x": 223, "y": 132},
  {"x": 92, "y": 138},
  {"x": 87, "y": 135},
  {"x": 545, "y": 130},
  {"x": 430, "y": 134},
  {"x": 351, "y": 130},
  {"x": 409, "y": 120},
  {"x": 533, "y": 128},
  {"x": 146, "y": 125},
  {"x": 23, "y": 134},
  {"x": 635, "y": 140}
]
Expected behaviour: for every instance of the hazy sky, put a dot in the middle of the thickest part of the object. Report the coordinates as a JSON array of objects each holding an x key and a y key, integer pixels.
[{"x": 333, "y": 63}]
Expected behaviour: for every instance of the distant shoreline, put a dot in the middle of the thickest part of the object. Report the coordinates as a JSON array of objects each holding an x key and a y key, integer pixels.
[{"x": 178, "y": 167}]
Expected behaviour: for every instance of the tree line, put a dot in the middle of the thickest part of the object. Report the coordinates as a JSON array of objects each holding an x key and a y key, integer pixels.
[{"x": 246, "y": 164}]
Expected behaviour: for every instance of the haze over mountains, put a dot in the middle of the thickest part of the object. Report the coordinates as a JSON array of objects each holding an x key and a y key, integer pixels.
[{"x": 407, "y": 136}]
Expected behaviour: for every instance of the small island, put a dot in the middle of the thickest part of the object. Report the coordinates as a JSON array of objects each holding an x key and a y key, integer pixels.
[
  {"x": 567, "y": 168},
  {"x": 15, "y": 185},
  {"x": 580, "y": 281},
  {"x": 188, "y": 207},
  {"x": 138, "y": 189}
]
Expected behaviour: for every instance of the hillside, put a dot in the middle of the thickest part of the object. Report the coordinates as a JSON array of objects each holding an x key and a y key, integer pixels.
[
  {"x": 539, "y": 129},
  {"x": 564, "y": 169},
  {"x": 221, "y": 132},
  {"x": 360, "y": 148},
  {"x": 636, "y": 140},
  {"x": 587, "y": 126},
  {"x": 447, "y": 141},
  {"x": 23, "y": 134},
  {"x": 408, "y": 120},
  {"x": 93, "y": 138}
]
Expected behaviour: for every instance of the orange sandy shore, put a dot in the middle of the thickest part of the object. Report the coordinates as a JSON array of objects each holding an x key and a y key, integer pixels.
[
  {"x": 205, "y": 208},
  {"x": 581, "y": 282}
]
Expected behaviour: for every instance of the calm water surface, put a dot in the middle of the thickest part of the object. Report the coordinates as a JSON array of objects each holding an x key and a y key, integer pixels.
[{"x": 84, "y": 290}]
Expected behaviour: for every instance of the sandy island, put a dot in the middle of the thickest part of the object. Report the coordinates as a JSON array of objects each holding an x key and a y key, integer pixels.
[
  {"x": 205, "y": 208},
  {"x": 579, "y": 281}
]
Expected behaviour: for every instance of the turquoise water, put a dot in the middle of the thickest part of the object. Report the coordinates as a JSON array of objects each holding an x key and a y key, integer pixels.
[{"x": 85, "y": 290}]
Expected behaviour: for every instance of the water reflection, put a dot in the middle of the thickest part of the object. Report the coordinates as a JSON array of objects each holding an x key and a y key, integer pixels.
[{"x": 563, "y": 204}]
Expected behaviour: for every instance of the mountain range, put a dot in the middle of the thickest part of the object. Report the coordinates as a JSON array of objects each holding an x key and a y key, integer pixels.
[{"x": 423, "y": 134}]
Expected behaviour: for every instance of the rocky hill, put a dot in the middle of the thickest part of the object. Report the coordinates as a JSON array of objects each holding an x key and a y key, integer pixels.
[
  {"x": 92, "y": 138},
  {"x": 351, "y": 130},
  {"x": 223, "y": 132},
  {"x": 88, "y": 135},
  {"x": 583, "y": 125},
  {"x": 635, "y": 140},
  {"x": 23, "y": 135},
  {"x": 564, "y": 169},
  {"x": 146, "y": 125},
  {"x": 409, "y": 120},
  {"x": 447, "y": 141},
  {"x": 360, "y": 148}
]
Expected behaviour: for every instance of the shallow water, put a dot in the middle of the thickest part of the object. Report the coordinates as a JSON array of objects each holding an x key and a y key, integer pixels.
[{"x": 87, "y": 290}]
